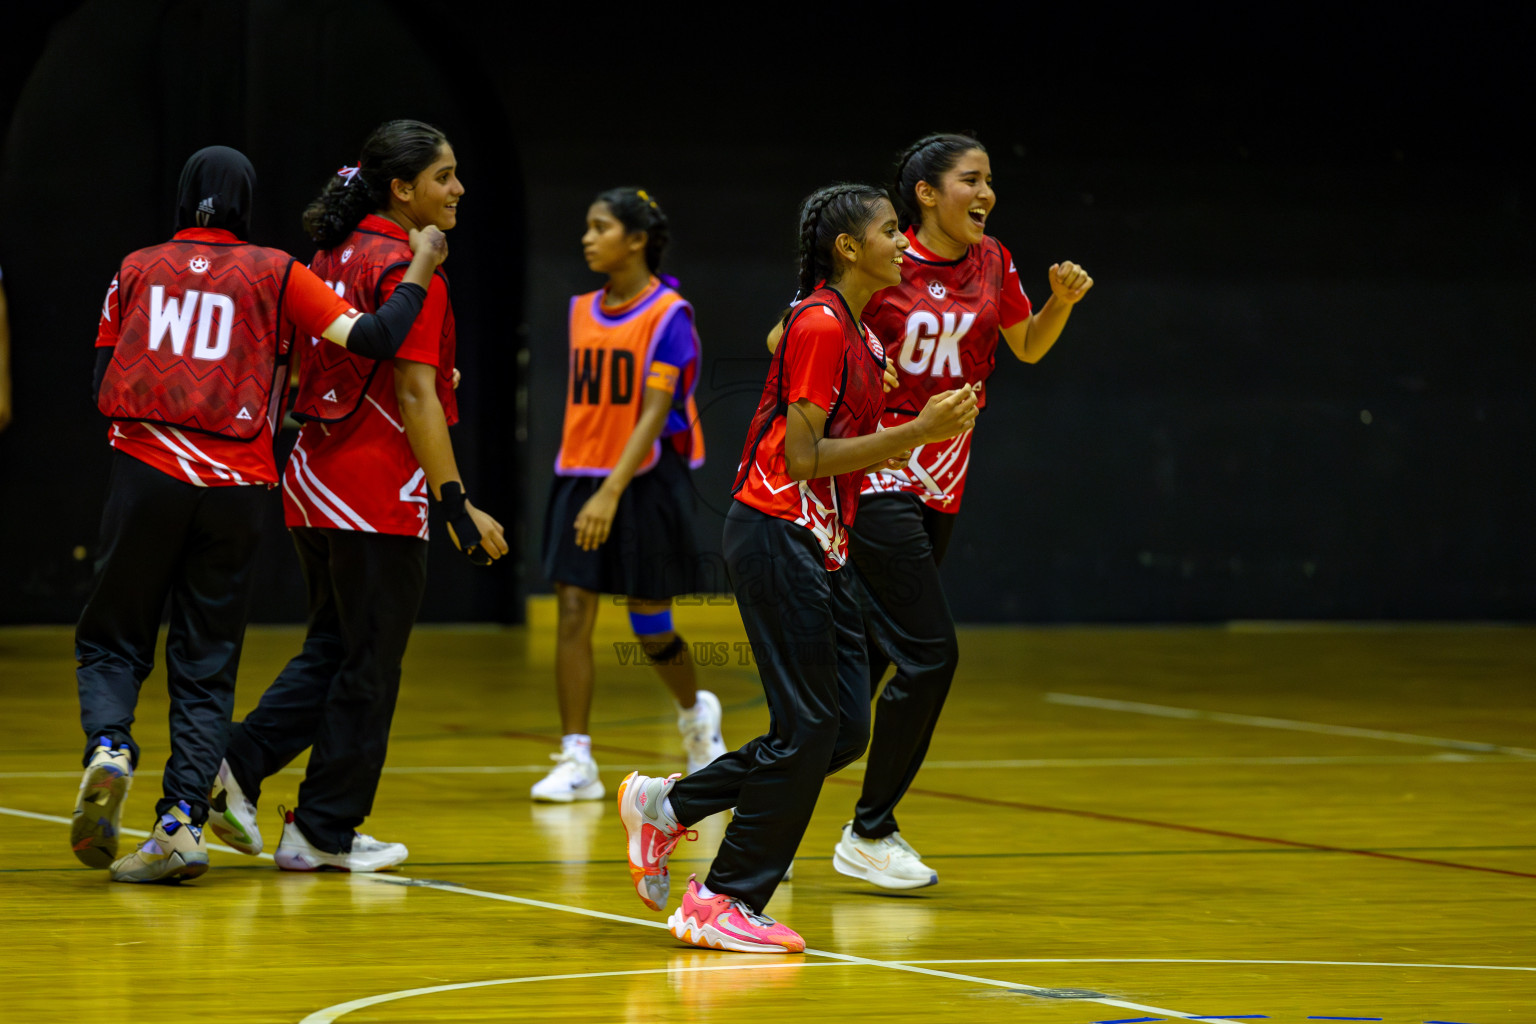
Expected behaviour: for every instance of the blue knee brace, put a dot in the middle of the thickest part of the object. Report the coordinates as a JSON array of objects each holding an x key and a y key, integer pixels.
[{"x": 651, "y": 625}]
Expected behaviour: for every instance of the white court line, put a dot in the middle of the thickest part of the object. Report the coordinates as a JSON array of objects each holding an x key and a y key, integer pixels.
[
  {"x": 1174, "y": 762},
  {"x": 468, "y": 769},
  {"x": 1164, "y": 711},
  {"x": 331, "y": 1013},
  {"x": 123, "y": 831},
  {"x": 977, "y": 765},
  {"x": 1185, "y": 960},
  {"x": 319, "y": 1018}
]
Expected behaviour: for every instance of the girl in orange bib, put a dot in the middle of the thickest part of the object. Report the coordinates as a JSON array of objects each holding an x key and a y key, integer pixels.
[{"x": 620, "y": 515}]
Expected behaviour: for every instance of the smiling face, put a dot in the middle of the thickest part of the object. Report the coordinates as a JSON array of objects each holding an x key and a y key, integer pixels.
[
  {"x": 883, "y": 246},
  {"x": 607, "y": 245},
  {"x": 876, "y": 255},
  {"x": 433, "y": 196},
  {"x": 955, "y": 210}
]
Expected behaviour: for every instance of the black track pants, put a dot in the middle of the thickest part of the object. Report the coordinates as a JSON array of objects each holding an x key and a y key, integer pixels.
[
  {"x": 897, "y": 543},
  {"x": 337, "y": 697},
  {"x": 803, "y": 622},
  {"x": 164, "y": 539}
]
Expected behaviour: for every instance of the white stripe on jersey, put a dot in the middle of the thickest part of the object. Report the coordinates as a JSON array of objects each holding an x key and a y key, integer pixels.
[
  {"x": 948, "y": 457},
  {"x": 297, "y": 501},
  {"x": 386, "y": 415},
  {"x": 343, "y": 507},
  {"x": 181, "y": 456},
  {"x": 214, "y": 464},
  {"x": 320, "y": 505}
]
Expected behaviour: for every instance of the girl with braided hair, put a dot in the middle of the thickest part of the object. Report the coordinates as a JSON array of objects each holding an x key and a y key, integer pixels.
[
  {"x": 959, "y": 295},
  {"x": 797, "y": 493},
  {"x": 620, "y": 515}
]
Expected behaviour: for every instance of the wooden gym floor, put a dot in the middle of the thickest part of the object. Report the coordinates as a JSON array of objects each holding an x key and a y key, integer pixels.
[{"x": 1262, "y": 822}]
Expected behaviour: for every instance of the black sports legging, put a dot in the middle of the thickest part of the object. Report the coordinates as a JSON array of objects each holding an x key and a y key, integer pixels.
[
  {"x": 897, "y": 542},
  {"x": 803, "y": 622},
  {"x": 168, "y": 543},
  {"x": 337, "y": 696}
]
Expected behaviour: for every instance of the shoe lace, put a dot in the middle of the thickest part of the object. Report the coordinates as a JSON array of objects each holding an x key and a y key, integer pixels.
[
  {"x": 665, "y": 846},
  {"x": 761, "y": 920}
]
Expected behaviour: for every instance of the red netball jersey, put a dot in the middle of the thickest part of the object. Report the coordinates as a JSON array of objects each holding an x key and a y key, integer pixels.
[
  {"x": 944, "y": 321},
  {"x": 827, "y": 356},
  {"x": 198, "y": 328},
  {"x": 358, "y": 473}
]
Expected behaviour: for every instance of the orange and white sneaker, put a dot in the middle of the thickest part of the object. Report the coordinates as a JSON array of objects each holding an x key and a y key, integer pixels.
[
  {"x": 652, "y": 834},
  {"x": 724, "y": 922}
]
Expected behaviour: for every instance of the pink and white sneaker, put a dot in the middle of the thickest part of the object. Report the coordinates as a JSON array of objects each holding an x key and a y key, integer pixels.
[
  {"x": 652, "y": 834},
  {"x": 724, "y": 922}
]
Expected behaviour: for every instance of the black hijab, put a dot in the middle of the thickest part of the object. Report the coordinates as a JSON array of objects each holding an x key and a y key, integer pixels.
[{"x": 215, "y": 191}]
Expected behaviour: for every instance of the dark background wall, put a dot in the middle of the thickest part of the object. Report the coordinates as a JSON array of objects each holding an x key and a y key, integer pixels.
[{"x": 1301, "y": 388}]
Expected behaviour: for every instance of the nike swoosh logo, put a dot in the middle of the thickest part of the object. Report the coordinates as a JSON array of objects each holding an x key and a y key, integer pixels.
[{"x": 879, "y": 865}]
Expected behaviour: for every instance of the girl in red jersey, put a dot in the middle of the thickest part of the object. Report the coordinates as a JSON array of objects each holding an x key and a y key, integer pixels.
[
  {"x": 620, "y": 516},
  {"x": 959, "y": 291},
  {"x": 193, "y": 339},
  {"x": 797, "y": 493},
  {"x": 374, "y": 449}
]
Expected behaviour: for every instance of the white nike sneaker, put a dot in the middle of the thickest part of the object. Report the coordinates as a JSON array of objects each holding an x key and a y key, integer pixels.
[
  {"x": 231, "y": 816},
  {"x": 700, "y": 727},
  {"x": 574, "y": 778},
  {"x": 296, "y": 853},
  {"x": 889, "y": 862}
]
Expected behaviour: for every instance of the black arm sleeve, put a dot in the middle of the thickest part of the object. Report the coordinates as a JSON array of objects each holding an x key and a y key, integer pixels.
[
  {"x": 380, "y": 335},
  {"x": 99, "y": 374}
]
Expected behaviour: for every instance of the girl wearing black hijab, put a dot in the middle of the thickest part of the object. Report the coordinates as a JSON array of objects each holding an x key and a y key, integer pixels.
[{"x": 192, "y": 350}]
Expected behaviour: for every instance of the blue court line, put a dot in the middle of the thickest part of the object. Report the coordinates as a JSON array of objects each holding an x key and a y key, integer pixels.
[{"x": 1346, "y": 1018}]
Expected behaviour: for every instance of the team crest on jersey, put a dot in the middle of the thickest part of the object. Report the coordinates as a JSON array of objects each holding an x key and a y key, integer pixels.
[
  {"x": 346, "y": 253},
  {"x": 936, "y": 290},
  {"x": 874, "y": 344},
  {"x": 198, "y": 264}
]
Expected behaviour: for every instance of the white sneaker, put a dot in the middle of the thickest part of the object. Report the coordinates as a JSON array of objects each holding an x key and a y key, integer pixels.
[
  {"x": 231, "y": 816},
  {"x": 889, "y": 862},
  {"x": 98, "y": 816},
  {"x": 296, "y": 853},
  {"x": 574, "y": 778},
  {"x": 700, "y": 726}
]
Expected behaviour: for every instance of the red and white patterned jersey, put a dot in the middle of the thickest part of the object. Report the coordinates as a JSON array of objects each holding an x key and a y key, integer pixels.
[
  {"x": 944, "y": 322},
  {"x": 358, "y": 473},
  {"x": 197, "y": 326},
  {"x": 826, "y": 356}
]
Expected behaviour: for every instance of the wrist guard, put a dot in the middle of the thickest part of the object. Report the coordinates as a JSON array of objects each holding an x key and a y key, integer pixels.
[{"x": 455, "y": 511}]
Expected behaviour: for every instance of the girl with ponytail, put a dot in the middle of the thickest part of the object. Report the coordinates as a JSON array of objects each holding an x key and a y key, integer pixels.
[
  {"x": 958, "y": 296},
  {"x": 620, "y": 515},
  {"x": 373, "y": 452},
  {"x": 812, "y": 438}
]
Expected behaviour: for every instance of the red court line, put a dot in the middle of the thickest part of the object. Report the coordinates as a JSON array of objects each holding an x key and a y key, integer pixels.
[{"x": 1098, "y": 816}]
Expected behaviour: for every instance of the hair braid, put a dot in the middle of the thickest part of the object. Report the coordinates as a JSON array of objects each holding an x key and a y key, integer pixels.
[
  {"x": 396, "y": 149},
  {"x": 825, "y": 214}
]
